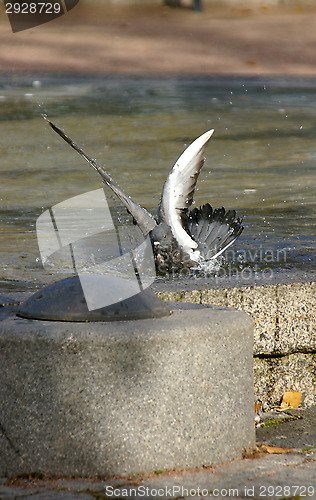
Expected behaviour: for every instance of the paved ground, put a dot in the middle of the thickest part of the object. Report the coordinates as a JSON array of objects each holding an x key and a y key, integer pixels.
[
  {"x": 264, "y": 475},
  {"x": 157, "y": 39}
]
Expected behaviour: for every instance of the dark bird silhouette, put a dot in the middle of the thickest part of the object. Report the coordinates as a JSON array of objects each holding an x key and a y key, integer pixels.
[{"x": 181, "y": 237}]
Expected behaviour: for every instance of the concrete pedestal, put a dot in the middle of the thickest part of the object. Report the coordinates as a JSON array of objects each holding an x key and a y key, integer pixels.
[{"x": 125, "y": 397}]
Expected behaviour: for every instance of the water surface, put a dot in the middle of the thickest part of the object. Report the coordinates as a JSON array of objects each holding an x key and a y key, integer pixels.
[{"x": 261, "y": 160}]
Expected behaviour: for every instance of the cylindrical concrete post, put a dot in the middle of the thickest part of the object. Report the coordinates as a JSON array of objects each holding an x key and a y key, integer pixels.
[{"x": 125, "y": 397}]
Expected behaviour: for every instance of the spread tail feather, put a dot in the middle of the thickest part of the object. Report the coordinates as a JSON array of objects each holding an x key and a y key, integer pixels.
[{"x": 214, "y": 230}]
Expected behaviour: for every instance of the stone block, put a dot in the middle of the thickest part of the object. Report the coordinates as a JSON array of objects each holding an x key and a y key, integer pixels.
[
  {"x": 125, "y": 397},
  {"x": 260, "y": 302},
  {"x": 296, "y": 318},
  {"x": 275, "y": 376}
]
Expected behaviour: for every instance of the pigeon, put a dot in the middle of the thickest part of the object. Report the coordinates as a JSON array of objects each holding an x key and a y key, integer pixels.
[{"x": 182, "y": 237}]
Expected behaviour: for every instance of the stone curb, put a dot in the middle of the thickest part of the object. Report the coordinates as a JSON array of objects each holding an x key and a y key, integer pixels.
[{"x": 285, "y": 333}]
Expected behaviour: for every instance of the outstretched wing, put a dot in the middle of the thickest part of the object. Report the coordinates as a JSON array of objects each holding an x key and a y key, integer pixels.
[
  {"x": 178, "y": 190},
  {"x": 144, "y": 219}
]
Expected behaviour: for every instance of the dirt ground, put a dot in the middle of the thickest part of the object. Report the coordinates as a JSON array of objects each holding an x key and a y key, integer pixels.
[{"x": 164, "y": 40}]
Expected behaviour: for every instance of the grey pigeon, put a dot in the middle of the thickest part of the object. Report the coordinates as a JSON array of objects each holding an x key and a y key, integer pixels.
[{"x": 181, "y": 238}]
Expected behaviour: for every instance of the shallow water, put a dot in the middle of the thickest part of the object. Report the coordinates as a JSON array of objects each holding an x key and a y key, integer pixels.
[{"x": 261, "y": 160}]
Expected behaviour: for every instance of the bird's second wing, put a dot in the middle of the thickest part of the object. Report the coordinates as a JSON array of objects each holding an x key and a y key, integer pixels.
[
  {"x": 178, "y": 190},
  {"x": 144, "y": 219}
]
